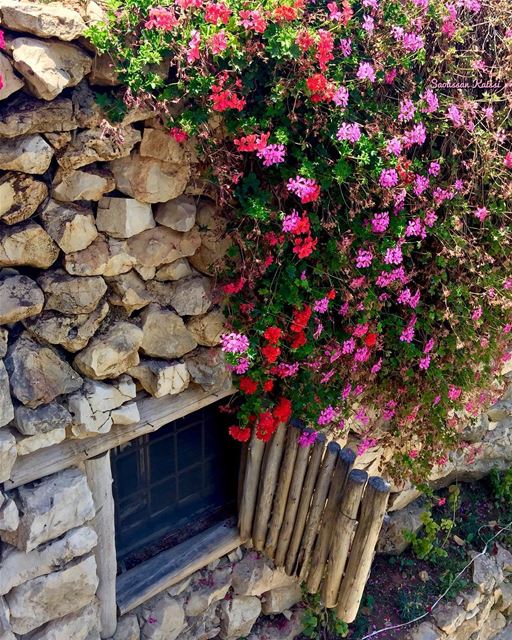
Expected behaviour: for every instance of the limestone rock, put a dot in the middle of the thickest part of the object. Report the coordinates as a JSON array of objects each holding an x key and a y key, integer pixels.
[
  {"x": 504, "y": 634},
  {"x": 178, "y": 214},
  {"x": 8, "y": 453},
  {"x": 288, "y": 628},
  {"x": 449, "y": 617},
  {"x": 164, "y": 619},
  {"x": 214, "y": 239},
  {"x": 253, "y": 576},
  {"x": 20, "y": 297},
  {"x": 38, "y": 374},
  {"x": 29, "y": 154},
  {"x": 392, "y": 540},
  {"x": 29, "y": 444},
  {"x": 174, "y": 271},
  {"x": 127, "y": 414},
  {"x": 486, "y": 573},
  {"x": 129, "y": 292},
  {"x": 158, "y": 144},
  {"x": 127, "y": 628},
  {"x": 20, "y": 196},
  {"x": 148, "y": 179},
  {"x": 191, "y": 296},
  {"x": 4, "y": 338},
  {"x": 207, "y": 368},
  {"x": 104, "y": 71},
  {"x": 165, "y": 334},
  {"x": 101, "y": 258},
  {"x": 52, "y": 596},
  {"x": 123, "y": 217},
  {"x": 203, "y": 595},
  {"x": 58, "y": 140},
  {"x": 43, "y": 20},
  {"x": 426, "y": 631},
  {"x": 69, "y": 295},
  {"x": 82, "y": 625},
  {"x": 86, "y": 421},
  {"x": 86, "y": 184},
  {"x": 46, "y": 418},
  {"x": 24, "y": 115},
  {"x": 11, "y": 81},
  {"x": 207, "y": 329},
  {"x": 161, "y": 245},
  {"x": 238, "y": 616},
  {"x": 91, "y": 146},
  {"x": 160, "y": 378},
  {"x": 71, "y": 332},
  {"x": 28, "y": 245},
  {"x": 6, "y": 408},
  {"x": 49, "y": 67},
  {"x": 17, "y": 567},
  {"x": 69, "y": 225},
  {"x": 111, "y": 354},
  {"x": 88, "y": 112},
  {"x": 9, "y": 516},
  {"x": 105, "y": 397},
  {"x": 281, "y": 599}
]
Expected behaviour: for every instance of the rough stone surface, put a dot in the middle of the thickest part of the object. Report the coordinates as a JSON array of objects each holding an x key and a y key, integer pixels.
[
  {"x": 69, "y": 225},
  {"x": 178, "y": 214},
  {"x": 127, "y": 414},
  {"x": 158, "y": 144},
  {"x": 71, "y": 296},
  {"x": 165, "y": 334},
  {"x": 29, "y": 154},
  {"x": 426, "y": 631},
  {"x": 28, "y": 245},
  {"x": 174, "y": 271},
  {"x": 392, "y": 539},
  {"x": 207, "y": 368},
  {"x": 127, "y": 628},
  {"x": 45, "y": 418},
  {"x": 4, "y": 337},
  {"x": 53, "y": 596},
  {"x": 25, "y": 115},
  {"x": 8, "y": 454},
  {"x": 238, "y": 616},
  {"x": 129, "y": 291},
  {"x": 20, "y": 196},
  {"x": 103, "y": 71},
  {"x": 204, "y": 594},
  {"x": 253, "y": 576},
  {"x": 44, "y": 20},
  {"x": 29, "y": 444},
  {"x": 85, "y": 184},
  {"x": 191, "y": 296},
  {"x": 207, "y": 329},
  {"x": 161, "y": 245},
  {"x": 281, "y": 599},
  {"x": 82, "y": 625},
  {"x": 6, "y": 408},
  {"x": 20, "y": 297},
  {"x": 160, "y": 378},
  {"x": 164, "y": 619},
  {"x": 90, "y": 146},
  {"x": 17, "y": 567},
  {"x": 70, "y": 332},
  {"x": 38, "y": 374},
  {"x": 111, "y": 354},
  {"x": 11, "y": 81},
  {"x": 9, "y": 516},
  {"x": 123, "y": 217},
  {"x": 87, "y": 422},
  {"x": 103, "y": 257},
  {"x": 214, "y": 239},
  {"x": 150, "y": 180}
]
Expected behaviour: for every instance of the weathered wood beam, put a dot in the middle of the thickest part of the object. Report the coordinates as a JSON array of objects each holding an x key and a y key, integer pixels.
[{"x": 250, "y": 487}]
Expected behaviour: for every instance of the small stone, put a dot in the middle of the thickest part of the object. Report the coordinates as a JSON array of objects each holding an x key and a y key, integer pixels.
[
  {"x": 471, "y": 599},
  {"x": 426, "y": 631},
  {"x": 207, "y": 329},
  {"x": 160, "y": 145},
  {"x": 164, "y": 619},
  {"x": 392, "y": 540},
  {"x": 71, "y": 332},
  {"x": 46, "y": 418},
  {"x": 103, "y": 71},
  {"x": 253, "y": 576},
  {"x": 4, "y": 338},
  {"x": 207, "y": 367},
  {"x": 69, "y": 225},
  {"x": 111, "y": 354},
  {"x": 160, "y": 378},
  {"x": 238, "y": 616},
  {"x": 161, "y": 245},
  {"x": 486, "y": 573},
  {"x": 50, "y": 507},
  {"x": 215, "y": 240},
  {"x": 174, "y": 271},
  {"x": 52, "y": 596},
  {"x": 424, "y": 577},
  {"x": 123, "y": 217},
  {"x": 69, "y": 295},
  {"x": 8, "y": 453},
  {"x": 203, "y": 595},
  {"x": 20, "y": 196},
  {"x": 280, "y": 599},
  {"x": 9, "y": 516},
  {"x": 49, "y": 67},
  {"x": 127, "y": 414},
  {"x": 29, "y": 154},
  {"x": 58, "y": 140},
  {"x": 20, "y": 297},
  {"x": 127, "y": 628},
  {"x": 85, "y": 184},
  {"x": 191, "y": 296},
  {"x": 43, "y": 20},
  {"x": 27, "y": 245},
  {"x": 129, "y": 291},
  {"x": 86, "y": 421},
  {"x": 449, "y": 617},
  {"x": 165, "y": 334},
  {"x": 103, "y": 257},
  {"x": 82, "y": 625},
  {"x": 25, "y": 115},
  {"x": 29, "y": 444},
  {"x": 150, "y": 180},
  {"x": 105, "y": 397},
  {"x": 38, "y": 374},
  {"x": 11, "y": 81},
  {"x": 91, "y": 146},
  {"x": 178, "y": 214}
]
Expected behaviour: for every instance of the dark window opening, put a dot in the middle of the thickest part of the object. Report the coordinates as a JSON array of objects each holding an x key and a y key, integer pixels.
[{"x": 172, "y": 484}]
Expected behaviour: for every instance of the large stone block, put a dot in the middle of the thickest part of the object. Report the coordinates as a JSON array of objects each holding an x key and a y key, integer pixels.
[
  {"x": 127, "y": 628},
  {"x": 174, "y": 271},
  {"x": 9, "y": 515},
  {"x": 84, "y": 184},
  {"x": 45, "y": 418},
  {"x": 129, "y": 291},
  {"x": 253, "y": 576},
  {"x": 18, "y": 567},
  {"x": 161, "y": 245},
  {"x": 6, "y": 408},
  {"x": 69, "y": 295},
  {"x": 50, "y": 507},
  {"x": 205, "y": 593},
  {"x": 191, "y": 296},
  {"x": 44, "y": 20},
  {"x": 27, "y": 245},
  {"x": 165, "y": 334},
  {"x": 280, "y": 599},
  {"x": 29, "y": 154},
  {"x": 8, "y": 454},
  {"x": 103, "y": 257},
  {"x": 91, "y": 146},
  {"x": 164, "y": 619},
  {"x": 123, "y": 217},
  {"x": 20, "y": 196},
  {"x": 207, "y": 367},
  {"x": 178, "y": 214},
  {"x": 238, "y": 616},
  {"x": 82, "y": 625},
  {"x": 24, "y": 116},
  {"x": 46, "y": 598},
  {"x": 215, "y": 240},
  {"x": 70, "y": 226},
  {"x": 20, "y": 298},
  {"x": 160, "y": 378},
  {"x": 392, "y": 536},
  {"x": 207, "y": 329},
  {"x": 11, "y": 81}
]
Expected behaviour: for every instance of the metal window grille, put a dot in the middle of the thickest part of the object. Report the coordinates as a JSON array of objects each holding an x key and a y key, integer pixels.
[{"x": 171, "y": 484}]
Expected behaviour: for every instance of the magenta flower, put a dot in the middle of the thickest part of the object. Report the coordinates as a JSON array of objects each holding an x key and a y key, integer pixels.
[
  {"x": 234, "y": 342},
  {"x": 432, "y": 101},
  {"x": 454, "y": 392},
  {"x": 416, "y": 135},
  {"x": 412, "y": 42},
  {"x": 327, "y": 415},
  {"x": 272, "y": 154},
  {"x": 346, "y": 46},
  {"x": 349, "y": 131},
  {"x": 407, "y": 110},
  {"x": 364, "y": 259},
  {"x": 340, "y": 98},
  {"x": 290, "y": 222},
  {"x": 321, "y": 305},
  {"x": 421, "y": 184},
  {"x": 365, "y": 72},
  {"x": 394, "y": 146},
  {"x": 388, "y": 178},
  {"x": 307, "y": 438},
  {"x": 454, "y": 115},
  {"x": 380, "y": 222},
  {"x": 481, "y": 213}
]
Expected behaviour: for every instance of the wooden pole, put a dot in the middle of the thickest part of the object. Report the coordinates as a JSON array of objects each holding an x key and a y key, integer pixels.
[
  {"x": 250, "y": 487},
  {"x": 343, "y": 533},
  {"x": 305, "y": 500},
  {"x": 373, "y": 509},
  {"x": 283, "y": 487},
  {"x": 317, "y": 506},
  {"x": 99, "y": 479},
  {"x": 301, "y": 464},
  {"x": 244, "y": 453},
  {"x": 267, "y": 486},
  {"x": 344, "y": 465}
]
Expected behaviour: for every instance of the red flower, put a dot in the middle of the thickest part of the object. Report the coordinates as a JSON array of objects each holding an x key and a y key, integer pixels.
[
  {"x": 283, "y": 410},
  {"x": 304, "y": 247},
  {"x": 266, "y": 426},
  {"x": 299, "y": 340},
  {"x": 285, "y": 13},
  {"x": 248, "y": 385},
  {"x": 331, "y": 294},
  {"x": 370, "y": 340},
  {"x": 253, "y": 142},
  {"x": 316, "y": 83},
  {"x": 302, "y": 226},
  {"x": 304, "y": 40},
  {"x": 273, "y": 334},
  {"x": 300, "y": 319},
  {"x": 271, "y": 353},
  {"x": 234, "y": 287},
  {"x": 242, "y": 434},
  {"x": 268, "y": 385},
  {"x": 178, "y": 134}
]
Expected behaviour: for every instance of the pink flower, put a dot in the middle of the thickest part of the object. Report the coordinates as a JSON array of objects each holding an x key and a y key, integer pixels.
[
  {"x": 158, "y": 18},
  {"x": 454, "y": 115},
  {"x": 305, "y": 188},
  {"x": 193, "y": 46},
  {"x": 413, "y": 453},
  {"x": 441, "y": 502},
  {"x": 2, "y": 40},
  {"x": 327, "y": 415},
  {"x": 346, "y": 47},
  {"x": 218, "y": 42},
  {"x": 394, "y": 146},
  {"x": 234, "y": 342},
  {"x": 348, "y": 346},
  {"x": 364, "y": 258},
  {"x": 507, "y": 160},
  {"x": 380, "y": 222},
  {"x": 272, "y": 154},
  {"x": 307, "y": 438},
  {"x": 290, "y": 222},
  {"x": 368, "y": 24},
  {"x": 454, "y": 392},
  {"x": 365, "y": 444},
  {"x": 421, "y": 184},
  {"x": 434, "y": 168},
  {"x": 393, "y": 255},
  {"x": 416, "y": 135},
  {"x": 481, "y": 213},
  {"x": 321, "y": 305},
  {"x": 432, "y": 101},
  {"x": 349, "y": 131},
  {"x": 407, "y": 110},
  {"x": 424, "y": 362},
  {"x": 340, "y": 98},
  {"x": 388, "y": 178},
  {"x": 412, "y": 42},
  {"x": 365, "y": 72}
]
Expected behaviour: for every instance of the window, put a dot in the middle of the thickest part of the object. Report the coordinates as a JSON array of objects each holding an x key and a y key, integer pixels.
[{"x": 174, "y": 483}]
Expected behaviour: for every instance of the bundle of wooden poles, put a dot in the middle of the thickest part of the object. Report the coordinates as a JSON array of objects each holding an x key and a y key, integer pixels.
[{"x": 313, "y": 514}]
